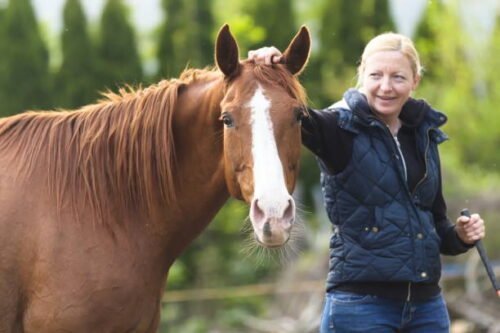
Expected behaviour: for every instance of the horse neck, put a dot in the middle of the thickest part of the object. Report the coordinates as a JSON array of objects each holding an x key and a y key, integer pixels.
[{"x": 200, "y": 187}]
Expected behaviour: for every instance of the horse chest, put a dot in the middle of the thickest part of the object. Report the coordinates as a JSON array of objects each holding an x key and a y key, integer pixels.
[
  {"x": 93, "y": 307},
  {"x": 99, "y": 285}
]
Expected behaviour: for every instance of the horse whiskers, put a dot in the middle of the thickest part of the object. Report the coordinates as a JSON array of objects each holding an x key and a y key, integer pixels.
[
  {"x": 251, "y": 249},
  {"x": 302, "y": 209}
]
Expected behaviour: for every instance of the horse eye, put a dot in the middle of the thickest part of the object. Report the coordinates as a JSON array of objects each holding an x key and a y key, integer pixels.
[{"x": 227, "y": 119}]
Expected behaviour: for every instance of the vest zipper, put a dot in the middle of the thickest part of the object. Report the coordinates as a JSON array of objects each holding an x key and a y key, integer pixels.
[
  {"x": 425, "y": 162},
  {"x": 411, "y": 194},
  {"x": 400, "y": 153},
  {"x": 427, "y": 145},
  {"x": 398, "y": 146}
]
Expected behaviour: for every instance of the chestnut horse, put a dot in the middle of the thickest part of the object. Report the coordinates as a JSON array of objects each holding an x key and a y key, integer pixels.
[{"x": 97, "y": 203}]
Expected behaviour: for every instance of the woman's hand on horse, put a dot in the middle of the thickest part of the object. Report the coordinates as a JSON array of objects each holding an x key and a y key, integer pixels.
[
  {"x": 265, "y": 55},
  {"x": 470, "y": 229}
]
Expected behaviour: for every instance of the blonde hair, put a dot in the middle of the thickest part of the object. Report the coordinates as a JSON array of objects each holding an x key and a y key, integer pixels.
[{"x": 390, "y": 41}]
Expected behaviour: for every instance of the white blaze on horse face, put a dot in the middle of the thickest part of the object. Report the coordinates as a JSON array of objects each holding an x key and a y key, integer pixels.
[{"x": 272, "y": 210}]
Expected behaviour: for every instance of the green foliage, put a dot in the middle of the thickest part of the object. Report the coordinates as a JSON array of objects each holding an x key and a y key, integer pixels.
[
  {"x": 277, "y": 19},
  {"x": 349, "y": 39},
  {"x": 425, "y": 39},
  {"x": 379, "y": 19},
  {"x": 241, "y": 22},
  {"x": 460, "y": 84},
  {"x": 345, "y": 27},
  {"x": 118, "y": 58},
  {"x": 477, "y": 106},
  {"x": 340, "y": 34},
  {"x": 75, "y": 81},
  {"x": 170, "y": 57},
  {"x": 186, "y": 36},
  {"x": 201, "y": 33},
  {"x": 24, "y": 80}
]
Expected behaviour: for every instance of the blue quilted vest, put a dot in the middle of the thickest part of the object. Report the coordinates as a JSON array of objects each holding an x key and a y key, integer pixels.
[{"x": 382, "y": 230}]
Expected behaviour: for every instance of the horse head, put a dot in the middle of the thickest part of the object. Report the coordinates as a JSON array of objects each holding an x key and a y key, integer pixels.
[{"x": 261, "y": 111}]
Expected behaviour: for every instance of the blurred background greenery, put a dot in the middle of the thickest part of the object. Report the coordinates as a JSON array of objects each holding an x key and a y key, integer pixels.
[{"x": 280, "y": 291}]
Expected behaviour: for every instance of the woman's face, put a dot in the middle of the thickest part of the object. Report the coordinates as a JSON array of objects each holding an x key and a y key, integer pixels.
[{"x": 388, "y": 81}]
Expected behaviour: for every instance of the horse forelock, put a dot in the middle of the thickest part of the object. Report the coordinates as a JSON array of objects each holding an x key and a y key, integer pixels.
[
  {"x": 278, "y": 75},
  {"x": 111, "y": 156}
]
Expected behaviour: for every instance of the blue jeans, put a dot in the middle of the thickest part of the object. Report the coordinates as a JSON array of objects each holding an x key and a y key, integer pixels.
[{"x": 349, "y": 312}]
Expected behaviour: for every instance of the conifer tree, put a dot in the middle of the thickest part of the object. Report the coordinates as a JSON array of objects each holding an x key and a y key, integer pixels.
[
  {"x": 203, "y": 17},
  {"x": 168, "y": 51},
  {"x": 426, "y": 38},
  {"x": 2, "y": 51},
  {"x": 76, "y": 84},
  {"x": 345, "y": 28},
  {"x": 350, "y": 31},
  {"x": 24, "y": 79},
  {"x": 186, "y": 38},
  {"x": 341, "y": 34},
  {"x": 329, "y": 60},
  {"x": 277, "y": 18},
  {"x": 379, "y": 18},
  {"x": 118, "y": 57}
]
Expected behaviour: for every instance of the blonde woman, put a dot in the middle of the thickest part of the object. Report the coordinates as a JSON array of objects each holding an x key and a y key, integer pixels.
[{"x": 377, "y": 150}]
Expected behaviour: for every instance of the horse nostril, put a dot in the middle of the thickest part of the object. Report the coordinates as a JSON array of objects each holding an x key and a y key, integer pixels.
[
  {"x": 289, "y": 214},
  {"x": 257, "y": 212}
]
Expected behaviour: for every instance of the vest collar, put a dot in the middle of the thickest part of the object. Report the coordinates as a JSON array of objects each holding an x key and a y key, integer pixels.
[{"x": 412, "y": 115}]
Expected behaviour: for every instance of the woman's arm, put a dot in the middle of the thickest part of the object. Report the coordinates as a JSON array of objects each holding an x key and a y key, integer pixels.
[
  {"x": 324, "y": 138},
  {"x": 459, "y": 237}
]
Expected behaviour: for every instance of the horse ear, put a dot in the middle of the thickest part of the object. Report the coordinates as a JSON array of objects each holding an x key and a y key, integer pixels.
[
  {"x": 226, "y": 52},
  {"x": 297, "y": 53}
]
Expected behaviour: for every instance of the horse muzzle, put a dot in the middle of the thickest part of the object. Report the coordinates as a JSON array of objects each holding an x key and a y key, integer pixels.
[{"x": 272, "y": 221}]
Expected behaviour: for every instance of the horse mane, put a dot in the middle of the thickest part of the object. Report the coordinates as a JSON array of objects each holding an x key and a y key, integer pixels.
[{"x": 118, "y": 153}]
